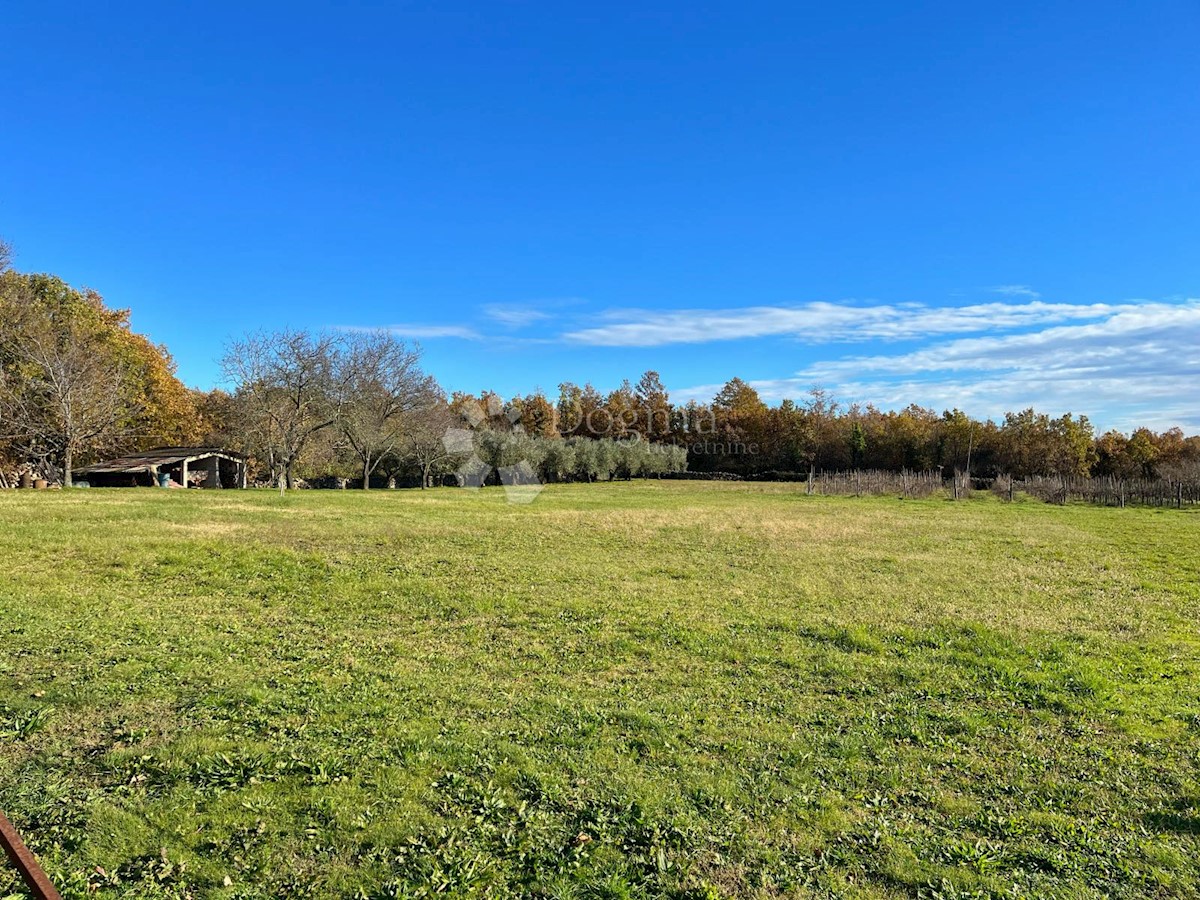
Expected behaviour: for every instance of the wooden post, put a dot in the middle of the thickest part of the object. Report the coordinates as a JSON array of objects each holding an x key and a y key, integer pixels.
[
  {"x": 970, "y": 447},
  {"x": 183, "y": 473},
  {"x": 212, "y": 478}
]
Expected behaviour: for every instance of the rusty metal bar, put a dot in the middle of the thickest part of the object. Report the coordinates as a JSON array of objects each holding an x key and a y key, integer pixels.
[{"x": 18, "y": 854}]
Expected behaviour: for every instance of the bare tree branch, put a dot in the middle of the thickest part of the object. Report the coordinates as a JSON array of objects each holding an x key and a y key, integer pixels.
[
  {"x": 286, "y": 390},
  {"x": 383, "y": 384}
]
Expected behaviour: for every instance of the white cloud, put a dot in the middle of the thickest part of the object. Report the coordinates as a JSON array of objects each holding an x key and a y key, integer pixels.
[
  {"x": 1152, "y": 337},
  {"x": 1138, "y": 366},
  {"x": 816, "y": 323},
  {"x": 1123, "y": 364}
]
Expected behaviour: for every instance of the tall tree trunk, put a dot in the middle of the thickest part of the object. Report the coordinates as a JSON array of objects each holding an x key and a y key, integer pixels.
[
  {"x": 366, "y": 473},
  {"x": 68, "y": 461}
]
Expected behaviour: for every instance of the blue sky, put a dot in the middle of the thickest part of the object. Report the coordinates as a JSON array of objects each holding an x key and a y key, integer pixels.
[{"x": 951, "y": 204}]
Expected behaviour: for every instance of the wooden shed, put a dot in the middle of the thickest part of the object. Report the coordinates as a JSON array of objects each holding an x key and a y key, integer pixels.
[{"x": 205, "y": 467}]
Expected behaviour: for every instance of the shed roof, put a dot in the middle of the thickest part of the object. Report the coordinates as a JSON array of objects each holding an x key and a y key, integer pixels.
[{"x": 159, "y": 456}]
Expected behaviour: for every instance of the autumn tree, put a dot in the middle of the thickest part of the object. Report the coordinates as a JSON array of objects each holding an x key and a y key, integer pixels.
[
  {"x": 787, "y": 436},
  {"x": 1141, "y": 452},
  {"x": 1025, "y": 443},
  {"x": 956, "y": 438},
  {"x": 820, "y": 427},
  {"x": 164, "y": 411},
  {"x": 63, "y": 389},
  {"x": 582, "y": 412},
  {"x": 621, "y": 406},
  {"x": 76, "y": 381},
  {"x": 740, "y": 418},
  {"x": 536, "y": 414},
  {"x": 216, "y": 417},
  {"x": 653, "y": 406},
  {"x": 569, "y": 408},
  {"x": 910, "y": 437},
  {"x": 1073, "y": 446},
  {"x": 1112, "y": 456}
]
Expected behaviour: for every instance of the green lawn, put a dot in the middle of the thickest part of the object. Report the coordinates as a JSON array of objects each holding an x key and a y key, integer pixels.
[{"x": 622, "y": 690}]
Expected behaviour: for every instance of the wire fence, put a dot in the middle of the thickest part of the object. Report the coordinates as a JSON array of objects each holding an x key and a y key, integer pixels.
[
  {"x": 876, "y": 482},
  {"x": 1158, "y": 492}
]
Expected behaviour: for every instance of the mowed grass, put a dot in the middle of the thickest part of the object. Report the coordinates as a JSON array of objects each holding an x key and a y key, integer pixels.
[{"x": 622, "y": 690}]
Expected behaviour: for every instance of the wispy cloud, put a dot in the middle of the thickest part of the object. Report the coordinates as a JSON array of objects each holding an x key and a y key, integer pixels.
[
  {"x": 817, "y": 323},
  {"x": 418, "y": 331},
  {"x": 512, "y": 315},
  {"x": 1128, "y": 363},
  {"x": 1138, "y": 366},
  {"x": 1157, "y": 337},
  {"x": 1017, "y": 290}
]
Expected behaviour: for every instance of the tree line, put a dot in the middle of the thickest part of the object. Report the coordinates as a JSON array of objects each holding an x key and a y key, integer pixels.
[
  {"x": 739, "y": 433},
  {"x": 78, "y": 384},
  {"x": 359, "y": 407}
]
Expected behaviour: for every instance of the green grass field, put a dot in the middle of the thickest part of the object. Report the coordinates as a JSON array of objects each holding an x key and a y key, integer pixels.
[{"x": 623, "y": 690}]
